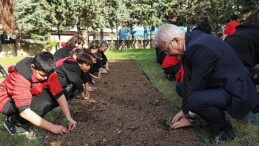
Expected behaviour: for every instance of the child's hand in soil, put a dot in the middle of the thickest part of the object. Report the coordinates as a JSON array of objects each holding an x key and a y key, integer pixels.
[
  {"x": 72, "y": 124},
  {"x": 58, "y": 129},
  {"x": 91, "y": 89},
  {"x": 104, "y": 71}
]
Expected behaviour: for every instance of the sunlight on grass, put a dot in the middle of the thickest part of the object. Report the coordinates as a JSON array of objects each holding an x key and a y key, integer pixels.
[
  {"x": 7, "y": 140},
  {"x": 246, "y": 133},
  {"x": 147, "y": 61},
  {"x": 8, "y": 61}
]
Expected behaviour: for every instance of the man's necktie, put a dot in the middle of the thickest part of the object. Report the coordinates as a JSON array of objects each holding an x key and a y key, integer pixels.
[{"x": 186, "y": 80}]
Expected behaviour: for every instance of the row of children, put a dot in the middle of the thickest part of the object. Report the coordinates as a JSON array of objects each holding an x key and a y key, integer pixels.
[
  {"x": 87, "y": 67},
  {"x": 37, "y": 85}
]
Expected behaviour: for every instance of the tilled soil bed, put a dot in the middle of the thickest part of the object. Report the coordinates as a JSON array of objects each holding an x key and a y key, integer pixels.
[{"x": 128, "y": 111}]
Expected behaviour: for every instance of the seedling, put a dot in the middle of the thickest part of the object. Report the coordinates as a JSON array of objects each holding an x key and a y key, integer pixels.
[
  {"x": 168, "y": 120},
  {"x": 65, "y": 122}
]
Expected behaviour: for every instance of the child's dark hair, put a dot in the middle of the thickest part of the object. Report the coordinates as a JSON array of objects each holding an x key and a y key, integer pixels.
[
  {"x": 93, "y": 47},
  {"x": 44, "y": 61},
  {"x": 171, "y": 15},
  {"x": 233, "y": 17},
  {"x": 104, "y": 43},
  {"x": 95, "y": 55},
  {"x": 220, "y": 34},
  {"x": 76, "y": 52},
  {"x": 84, "y": 58},
  {"x": 75, "y": 39},
  {"x": 79, "y": 51}
]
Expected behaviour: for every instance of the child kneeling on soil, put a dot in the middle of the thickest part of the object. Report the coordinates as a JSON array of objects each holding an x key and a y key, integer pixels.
[
  {"x": 96, "y": 70},
  {"x": 171, "y": 65},
  {"x": 104, "y": 61},
  {"x": 29, "y": 92},
  {"x": 72, "y": 74}
]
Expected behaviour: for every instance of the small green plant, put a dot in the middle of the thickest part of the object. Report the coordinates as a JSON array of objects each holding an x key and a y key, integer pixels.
[
  {"x": 65, "y": 122},
  {"x": 168, "y": 120},
  {"x": 75, "y": 110}
]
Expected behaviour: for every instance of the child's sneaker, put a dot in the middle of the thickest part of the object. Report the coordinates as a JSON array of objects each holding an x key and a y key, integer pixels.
[
  {"x": 169, "y": 77},
  {"x": 12, "y": 128}
]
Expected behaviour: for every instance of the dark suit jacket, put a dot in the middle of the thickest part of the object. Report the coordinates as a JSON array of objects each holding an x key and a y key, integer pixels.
[{"x": 215, "y": 65}]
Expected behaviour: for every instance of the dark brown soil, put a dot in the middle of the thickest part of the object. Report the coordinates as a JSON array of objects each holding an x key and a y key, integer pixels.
[{"x": 128, "y": 111}]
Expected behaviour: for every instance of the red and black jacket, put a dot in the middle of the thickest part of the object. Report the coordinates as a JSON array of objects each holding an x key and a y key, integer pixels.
[
  {"x": 20, "y": 85},
  {"x": 68, "y": 72}
]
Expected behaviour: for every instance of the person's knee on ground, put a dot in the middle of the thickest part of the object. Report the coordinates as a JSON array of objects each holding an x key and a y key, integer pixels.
[
  {"x": 216, "y": 121},
  {"x": 212, "y": 113},
  {"x": 13, "y": 114}
]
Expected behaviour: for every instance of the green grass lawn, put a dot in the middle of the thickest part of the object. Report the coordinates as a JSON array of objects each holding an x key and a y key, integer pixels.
[{"x": 246, "y": 133}]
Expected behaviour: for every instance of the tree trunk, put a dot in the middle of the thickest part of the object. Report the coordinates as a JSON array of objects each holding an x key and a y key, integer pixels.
[
  {"x": 59, "y": 40},
  {"x": 144, "y": 37},
  {"x": 151, "y": 38},
  {"x": 88, "y": 40},
  {"x": 101, "y": 34},
  {"x": 59, "y": 37},
  {"x": 17, "y": 45},
  {"x": 85, "y": 36},
  {"x": 117, "y": 38},
  {"x": 78, "y": 30}
]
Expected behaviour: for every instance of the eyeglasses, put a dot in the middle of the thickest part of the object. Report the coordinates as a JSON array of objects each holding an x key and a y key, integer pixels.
[
  {"x": 167, "y": 48},
  {"x": 79, "y": 43}
]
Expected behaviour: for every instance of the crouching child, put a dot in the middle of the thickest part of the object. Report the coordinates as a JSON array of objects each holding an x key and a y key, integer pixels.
[
  {"x": 72, "y": 73},
  {"x": 29, "y": 92}
]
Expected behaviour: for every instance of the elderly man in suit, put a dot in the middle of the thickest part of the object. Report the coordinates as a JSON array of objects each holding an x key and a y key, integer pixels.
[{"x": 215, "y": 80}]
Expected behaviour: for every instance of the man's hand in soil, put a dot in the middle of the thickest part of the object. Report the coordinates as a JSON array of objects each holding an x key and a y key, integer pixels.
[
  {"x": 72, "y": 124},
  {"x": 180, "y": 120}
]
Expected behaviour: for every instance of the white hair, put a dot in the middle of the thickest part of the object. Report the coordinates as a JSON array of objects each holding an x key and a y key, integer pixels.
[{"x": 168, "y": 31}]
